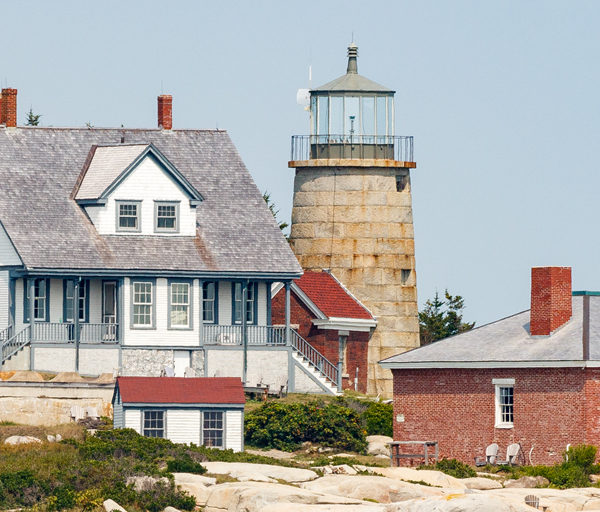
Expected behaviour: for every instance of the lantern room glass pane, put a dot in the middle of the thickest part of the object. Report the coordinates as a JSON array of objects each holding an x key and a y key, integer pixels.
[
  {"x": 368, "y": 119},
  {"x": 337, "y": 115},
  {"x": 323, "y": 115},
  {"x": 381, "y": 117},
  {"x": 351, "y": 118}
]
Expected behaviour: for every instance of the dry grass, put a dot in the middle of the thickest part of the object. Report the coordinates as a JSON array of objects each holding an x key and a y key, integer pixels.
[{"x": 66, "y": 430}]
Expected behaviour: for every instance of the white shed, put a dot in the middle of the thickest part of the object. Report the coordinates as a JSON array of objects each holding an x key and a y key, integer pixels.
[{"x": 205, "y": 411}]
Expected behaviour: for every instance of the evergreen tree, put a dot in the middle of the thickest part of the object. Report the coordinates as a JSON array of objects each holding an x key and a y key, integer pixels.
[
  {"x": 32, "y": 119},
  {"x": 274, "y": 210},
  {"x": 442, "y": 317}
]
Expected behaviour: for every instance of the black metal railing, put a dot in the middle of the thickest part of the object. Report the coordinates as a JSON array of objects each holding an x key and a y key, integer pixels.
[{"x": 311, "y": 147}]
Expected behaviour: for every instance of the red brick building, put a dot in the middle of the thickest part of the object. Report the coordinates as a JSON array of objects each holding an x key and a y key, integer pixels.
[
  {"x": 332, "y": 320},
  {"x": 532, "y": 378}
]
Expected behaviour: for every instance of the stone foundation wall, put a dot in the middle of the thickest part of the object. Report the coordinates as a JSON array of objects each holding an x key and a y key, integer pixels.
[
  {"x": 355, "y": 222},
  {"x": 137, "y": 362}
]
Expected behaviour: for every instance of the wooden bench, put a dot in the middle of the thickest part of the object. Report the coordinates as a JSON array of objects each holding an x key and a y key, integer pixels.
[{"x": 396, "y": 454}]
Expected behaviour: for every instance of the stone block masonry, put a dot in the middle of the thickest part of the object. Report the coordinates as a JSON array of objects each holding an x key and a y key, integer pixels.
[{"x": 354, "y": 221}]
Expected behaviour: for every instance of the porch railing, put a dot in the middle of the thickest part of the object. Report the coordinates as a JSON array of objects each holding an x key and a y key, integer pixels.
[
  {"x": 13, "y": 344},
  {"x": 64, "y": 332},
  {"x": 234, "y": 334},
  {"x": 6, "y": 334},
  {"x": 318, "y": 360}
]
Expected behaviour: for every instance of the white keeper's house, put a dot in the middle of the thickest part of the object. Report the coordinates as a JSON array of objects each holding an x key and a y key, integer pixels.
[{"x": 138, "y": 250}]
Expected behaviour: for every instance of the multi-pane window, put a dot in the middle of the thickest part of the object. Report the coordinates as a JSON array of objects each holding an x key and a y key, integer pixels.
[
  {"x": 505, "y": 402},
  {"x": 70, "y": 299},
  {"x": 180, "y": 305},
  {"x": 154, "y": 424},
  {"x": 237, "y": 303},
  {"x": 128, "y": 216},
  {"x": 166, "y": 217},
  {"x": 40, "y": 294},
  {"x": 212, "y": 429},
  {"x": 209, "y": 302},
  {"x": 506, "y": 399},
  {"x": 142, "y": 304}
]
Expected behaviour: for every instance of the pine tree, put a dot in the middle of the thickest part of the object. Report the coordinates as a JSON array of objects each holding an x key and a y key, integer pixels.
[
  {"x": 267, "y": 197},
  {"x": 32, "y": 119},
  {"x": 442, "y": 317}
]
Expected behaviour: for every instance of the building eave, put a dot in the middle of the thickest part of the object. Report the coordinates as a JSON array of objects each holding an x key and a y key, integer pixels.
[
  {"x": 426, "y": 365},
  {"x": 345, "y": 324}
]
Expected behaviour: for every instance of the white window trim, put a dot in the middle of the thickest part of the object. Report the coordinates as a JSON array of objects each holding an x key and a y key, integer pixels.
[
  {"x": 152, "y": 283},
  {"x": 175, "y": 204},
  {"x": 190, "y": 291},
  {"x": 138, "y": 205},
  {"x": 502, "y": 383}
]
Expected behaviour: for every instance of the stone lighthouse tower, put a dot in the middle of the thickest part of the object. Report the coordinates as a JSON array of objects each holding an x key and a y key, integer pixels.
[{"x": 352, "y": 210}]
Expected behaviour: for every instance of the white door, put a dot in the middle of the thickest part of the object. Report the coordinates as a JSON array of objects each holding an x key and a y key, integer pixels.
[{"x": 181, "y": 360}]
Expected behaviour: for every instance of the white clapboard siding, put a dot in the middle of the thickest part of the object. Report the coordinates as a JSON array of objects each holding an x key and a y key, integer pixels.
[
  {"x": 8, "y": 254},
  {"x": 183, "y": 425},
  {"x": 118, "y": 418},
  {"x": 4, "y": 299},
  {"x": 95, "y": 301},
  {"x": 56, "y": 300},
  {"x": 225, "y": 303},
  {"x": 133, "y": 419},
  {"x": 148, "y": 183},
  {"x": 234, "y": 430},
  {"x": 262, "y": 304}
]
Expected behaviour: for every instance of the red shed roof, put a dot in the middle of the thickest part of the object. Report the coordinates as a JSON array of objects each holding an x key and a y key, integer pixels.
[
  {"x": 180, "y": 390},
  {"x": 330, "y": 296}
]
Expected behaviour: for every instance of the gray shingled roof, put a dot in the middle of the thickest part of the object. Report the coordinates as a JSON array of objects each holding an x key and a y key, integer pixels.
[
  {"x": 508, "y": 342},
  {"x": 106, "y": 165},
  {"x": 352, "y": 82},
  {"x": 40, "y": 166}
]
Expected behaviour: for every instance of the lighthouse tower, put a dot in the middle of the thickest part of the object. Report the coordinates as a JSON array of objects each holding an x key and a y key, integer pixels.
[{"x": 352, "y": 211}]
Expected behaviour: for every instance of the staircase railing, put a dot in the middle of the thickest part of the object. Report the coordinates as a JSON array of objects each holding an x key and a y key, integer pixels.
[
  {"x": 6, "y": 334},
  {"x": 314, "y": 357},
  {"x": 16, "y": 343}
]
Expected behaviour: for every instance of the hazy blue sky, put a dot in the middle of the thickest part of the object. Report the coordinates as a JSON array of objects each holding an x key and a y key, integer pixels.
[{"x": 502, "y": 98}]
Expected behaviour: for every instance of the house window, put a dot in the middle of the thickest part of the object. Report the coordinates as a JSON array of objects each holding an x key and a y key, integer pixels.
[
  {"x": 69, "y": 297},
  {"x": 505, "y": 402},
  {"x": 40, "y": 301},
  {"x": 142, "y": 301},
  {"x": 209, "y": 302},
  {"x": 212, "y": 429},
  {"x": 179, "y": 316},
  {"x": 128, "y": 215},
  {"x": 166, "y": 217},
  {"x": 154, "y": 424},
  {"x": 250, "y": 303}
]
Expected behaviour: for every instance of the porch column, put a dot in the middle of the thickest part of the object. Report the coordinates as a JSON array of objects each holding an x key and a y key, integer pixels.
[
  {"x": 76, "y": 283},
  {"x": 30, "y": 283},
  {"x": 201, "y": 309},
  {"x": 287, "y": 313},
  {"x": 245, "y": 330}
]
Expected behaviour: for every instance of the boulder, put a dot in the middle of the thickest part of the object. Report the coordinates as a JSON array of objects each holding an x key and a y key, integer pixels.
[
  {"x": 527, "y": 482},
  {"x": 341, "y": 469},
  {"x": 378, "y": 488},
  {"x": 259, "y": 472},
  {"x": 110, "y": 506},
  {"x": 145, "y": 483},
  {"x": 299, "y": 507},
  {"x": 21, "y": 440},
  {"x": 256, "y": 496},
  {"x": 378, "y": 445},
  {"x": 195, "y": 485},
  {"x": 51, "y": 438},
  {"x": 461, "y": 503},
  {"x": 171, "y": 509},
  {"x": 430, "y": 477},
  {"x": 481, "y": 484}
]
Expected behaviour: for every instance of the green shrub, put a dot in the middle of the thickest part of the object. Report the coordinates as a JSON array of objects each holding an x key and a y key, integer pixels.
[
  {"x": 286, "y": 425},
  {"x": 185, "y": 464},
  {"x": 582, "y": 455},
  {"x": 452, "y": 467},
  {"x": 378, "y": 419}
]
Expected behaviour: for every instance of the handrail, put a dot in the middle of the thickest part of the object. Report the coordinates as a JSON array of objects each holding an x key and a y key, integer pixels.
[
  {"x": 352, "y": 146},
  {"x": 64, "y": 332},
  {"x": 16, "y": 343},
  {"x": 6, "y": 334},
  {"x": 316, "y": 359},
  {"x": 215, "y": 334}
]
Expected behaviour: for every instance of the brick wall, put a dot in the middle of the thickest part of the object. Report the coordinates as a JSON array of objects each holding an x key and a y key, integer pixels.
[
  {"x": 456, "y": 407},
  {"x": 325, "y": 340}
]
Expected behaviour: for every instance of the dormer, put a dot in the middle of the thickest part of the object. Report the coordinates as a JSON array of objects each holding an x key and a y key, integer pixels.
[{"x": 133, "y": 189}]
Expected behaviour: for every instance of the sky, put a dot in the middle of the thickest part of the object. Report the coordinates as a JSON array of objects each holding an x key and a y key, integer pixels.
[{"x": 502, "y": 99}]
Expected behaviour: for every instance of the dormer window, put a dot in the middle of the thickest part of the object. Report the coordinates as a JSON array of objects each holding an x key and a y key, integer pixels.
[
  {"x": 166, "y": 217},
  {"x": 128, "y": 215}
]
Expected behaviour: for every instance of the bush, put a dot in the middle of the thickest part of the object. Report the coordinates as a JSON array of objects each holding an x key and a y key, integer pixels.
[
  {"x": 452, "y": 467},
  {"x": 378, "y": 419},
  {"x": 582, "y": 455},
  {"x": 185, "y": 464},
  {"x": 286, "y": 425}
]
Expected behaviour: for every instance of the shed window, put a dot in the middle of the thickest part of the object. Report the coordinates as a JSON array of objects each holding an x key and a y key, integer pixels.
[
  {"x": 154, "y": 424},
  {"x": 212, "y": 429}
]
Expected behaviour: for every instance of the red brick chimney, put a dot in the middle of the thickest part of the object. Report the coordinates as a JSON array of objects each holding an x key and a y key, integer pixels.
[
  {"x": 8, "y": 107},
  {"x": 165, "y": 111},
  {"x": 550, "y": 299}
]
